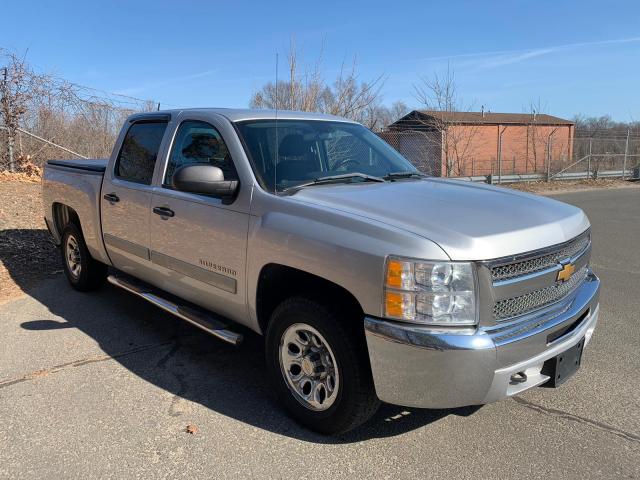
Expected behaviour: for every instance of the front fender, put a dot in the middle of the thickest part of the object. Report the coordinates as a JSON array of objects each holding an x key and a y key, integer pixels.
[{"x": 345, "y": 249}]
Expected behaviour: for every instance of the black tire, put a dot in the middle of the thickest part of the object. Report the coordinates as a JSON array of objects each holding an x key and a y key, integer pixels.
[
  {"x": 355, "y": 400},
  {"x": 91, "y": 273}
]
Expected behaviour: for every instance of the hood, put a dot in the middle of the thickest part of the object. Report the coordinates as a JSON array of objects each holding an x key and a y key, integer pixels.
[{"x": 468, "y": 221}]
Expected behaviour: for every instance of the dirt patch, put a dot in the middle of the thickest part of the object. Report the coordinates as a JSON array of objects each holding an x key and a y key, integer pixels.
[
  {"x": 26, "y": 253},
  {"x": 572, "y": 186},
  {"x": 31, "y": 175}
]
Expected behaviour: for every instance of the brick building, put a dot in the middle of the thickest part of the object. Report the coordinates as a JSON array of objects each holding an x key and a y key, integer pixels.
[{"x": 481, "y": 143}]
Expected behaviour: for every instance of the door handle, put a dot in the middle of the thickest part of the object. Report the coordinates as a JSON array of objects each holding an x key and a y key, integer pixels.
[
  {"x": 111, "y": 197},
  {"x": 163, "y": 211}
]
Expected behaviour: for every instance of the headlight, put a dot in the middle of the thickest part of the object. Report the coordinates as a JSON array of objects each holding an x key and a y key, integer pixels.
[{"x": 431, "y": 293}]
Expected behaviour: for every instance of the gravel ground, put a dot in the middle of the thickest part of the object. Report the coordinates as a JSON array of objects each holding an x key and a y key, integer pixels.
[{"x": 572, "y": 186}]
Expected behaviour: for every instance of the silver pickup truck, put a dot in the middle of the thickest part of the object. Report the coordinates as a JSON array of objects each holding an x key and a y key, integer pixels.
[{"x": 369, "y": 280}]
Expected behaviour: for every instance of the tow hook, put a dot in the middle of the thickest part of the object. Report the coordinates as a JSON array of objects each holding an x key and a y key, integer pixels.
[{"x": 519, "y": 377}]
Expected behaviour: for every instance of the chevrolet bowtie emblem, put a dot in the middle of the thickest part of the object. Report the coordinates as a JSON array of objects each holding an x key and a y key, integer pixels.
[{"x": 565, "y": 273}]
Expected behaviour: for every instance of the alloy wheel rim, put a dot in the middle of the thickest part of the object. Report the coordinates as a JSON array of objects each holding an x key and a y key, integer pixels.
[
  {"x": 309, "y": 367},
  {"x": 72, "y": 255}
]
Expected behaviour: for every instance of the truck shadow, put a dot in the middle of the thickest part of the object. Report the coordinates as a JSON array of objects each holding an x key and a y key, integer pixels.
[{"x": 193, "y": 366}]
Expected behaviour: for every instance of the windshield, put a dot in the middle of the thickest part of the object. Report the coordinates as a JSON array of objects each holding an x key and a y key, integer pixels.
[{"x": 311, "y": 149}]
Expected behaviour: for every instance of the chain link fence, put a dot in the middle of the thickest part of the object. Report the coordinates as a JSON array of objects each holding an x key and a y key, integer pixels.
[
  {"x": 524, "y": 155},
  {"x": 86, "y": 127},
  {"x": 44, "y": 117},
  {"x": 597, "y": 156}
]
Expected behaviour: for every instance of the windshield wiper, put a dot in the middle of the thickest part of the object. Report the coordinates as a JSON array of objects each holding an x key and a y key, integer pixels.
[
  {"x": 344, "y": 178},
  {"x": 408, "y": 174}
]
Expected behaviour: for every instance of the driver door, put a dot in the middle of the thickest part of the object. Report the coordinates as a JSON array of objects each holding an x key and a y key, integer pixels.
[{"x": 198, "y": 242}]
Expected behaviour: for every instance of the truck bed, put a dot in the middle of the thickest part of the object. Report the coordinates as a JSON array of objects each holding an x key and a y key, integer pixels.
[
  {"x": 77, "y": 185},
  {"x": 98, "y": 165}
]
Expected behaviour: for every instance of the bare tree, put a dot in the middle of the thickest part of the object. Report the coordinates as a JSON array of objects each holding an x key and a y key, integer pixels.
[
  {"x": 350, "y": 98},
  {"x": 604, "y": 127},
  {"x": 77, "y": 118},
  {"x": 378, "y": 117},
  {"x": 306, "y": 90},
  {"x": 19, "y": 85},
  {"x": 397, "y": 110},
  {"x": 541, "y": 141},
  {"x": 535, "y": 136},
  {"x": 439, "y": 95},
  {"x": 302, "y": 91}
]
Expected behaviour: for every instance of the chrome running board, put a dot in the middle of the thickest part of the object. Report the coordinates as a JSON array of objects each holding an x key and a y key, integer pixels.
[{"x": 194, "y": 315}]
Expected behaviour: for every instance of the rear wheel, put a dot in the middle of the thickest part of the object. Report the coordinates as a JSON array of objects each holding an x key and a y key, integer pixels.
[
  {"x": 82, "y": 271},
  {"x": 319, "y": 367}
]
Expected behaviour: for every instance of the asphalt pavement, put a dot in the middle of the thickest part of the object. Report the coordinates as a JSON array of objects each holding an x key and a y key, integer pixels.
[{"x": 104, "y": 385}]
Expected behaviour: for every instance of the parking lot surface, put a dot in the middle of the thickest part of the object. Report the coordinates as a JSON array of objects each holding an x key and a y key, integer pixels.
[{"x": 105, "y": 385}]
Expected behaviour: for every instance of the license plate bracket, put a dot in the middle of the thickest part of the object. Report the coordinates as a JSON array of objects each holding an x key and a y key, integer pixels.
[{"x": 563, "y": 366}]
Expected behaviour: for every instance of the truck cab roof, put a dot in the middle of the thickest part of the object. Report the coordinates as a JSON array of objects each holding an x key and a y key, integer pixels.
[{"x": 241, "y": 114}]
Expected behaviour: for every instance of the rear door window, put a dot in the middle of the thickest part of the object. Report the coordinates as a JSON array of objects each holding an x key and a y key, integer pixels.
[{"x": 139, "y": 152}]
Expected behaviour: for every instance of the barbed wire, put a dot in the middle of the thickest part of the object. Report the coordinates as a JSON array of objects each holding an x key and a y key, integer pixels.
[{"x": 129, "y": 99}]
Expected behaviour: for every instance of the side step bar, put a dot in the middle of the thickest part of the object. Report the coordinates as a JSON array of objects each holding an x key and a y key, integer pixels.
[{"x": 199, "y": 318}]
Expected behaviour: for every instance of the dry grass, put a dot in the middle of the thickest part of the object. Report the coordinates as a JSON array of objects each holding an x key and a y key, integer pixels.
[
  {"x": 572, "y": 185},
  {"x": 23, "y": 177}
]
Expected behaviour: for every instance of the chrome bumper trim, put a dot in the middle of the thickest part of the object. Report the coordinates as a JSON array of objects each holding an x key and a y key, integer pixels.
[{"x": 418, "y": 366}]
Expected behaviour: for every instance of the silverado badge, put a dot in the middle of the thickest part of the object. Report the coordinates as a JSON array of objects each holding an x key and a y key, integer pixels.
[{"x": 565, "y": 272}]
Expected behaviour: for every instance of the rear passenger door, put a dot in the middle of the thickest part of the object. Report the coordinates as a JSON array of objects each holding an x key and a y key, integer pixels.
[{"x": 126, "y": 195}]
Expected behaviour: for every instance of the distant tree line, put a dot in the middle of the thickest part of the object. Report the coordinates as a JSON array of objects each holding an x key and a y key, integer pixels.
[{"x": 605, "y": 127}]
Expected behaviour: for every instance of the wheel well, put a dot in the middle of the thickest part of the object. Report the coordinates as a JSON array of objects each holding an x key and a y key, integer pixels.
[
  {"x": 277, "y": 282},
  {"x": 64, "y": 215}
]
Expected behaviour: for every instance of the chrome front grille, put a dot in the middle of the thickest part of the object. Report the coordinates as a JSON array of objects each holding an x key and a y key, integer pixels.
[
  {"x": 546, "y": 259},
  {"x": 512, "y": 307},
  {"x": 521, "y": 284}
]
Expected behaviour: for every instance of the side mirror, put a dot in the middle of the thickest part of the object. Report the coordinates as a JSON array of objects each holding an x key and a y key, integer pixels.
[{"x": 204, "y": 179}]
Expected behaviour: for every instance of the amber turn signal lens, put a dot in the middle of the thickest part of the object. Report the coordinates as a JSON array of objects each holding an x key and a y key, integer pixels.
[
  {"x": 393, "y": 304},
  {"x": 394, "y": 274}
]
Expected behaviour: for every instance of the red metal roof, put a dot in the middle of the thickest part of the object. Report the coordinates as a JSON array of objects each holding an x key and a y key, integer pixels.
[{"x": 487, "y": 118}]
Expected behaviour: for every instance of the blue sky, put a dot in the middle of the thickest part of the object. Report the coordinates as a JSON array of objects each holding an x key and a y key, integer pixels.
[{"x": 575, "y": 57}]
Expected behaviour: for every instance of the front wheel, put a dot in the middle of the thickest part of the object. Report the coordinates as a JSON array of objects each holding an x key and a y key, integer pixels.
[
  {"x": 319, "y": 367},
  {"x": 83, "y": 272}
]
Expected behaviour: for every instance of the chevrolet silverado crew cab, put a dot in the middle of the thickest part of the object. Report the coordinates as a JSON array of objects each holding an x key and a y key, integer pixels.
[{"x": 368, "y": 280}]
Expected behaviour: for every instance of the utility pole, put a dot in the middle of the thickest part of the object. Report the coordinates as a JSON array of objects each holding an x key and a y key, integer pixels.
[
  {"x": 12, "y": 166},
  {"x": 626, "y": 154},
  {"x": 549, "y": 150},
  {"x": 5, "y": 108},
  {"x": 589, "y": 160},
  {"x": 549, "y": 160},
  {"x": 500, "y": 132}
]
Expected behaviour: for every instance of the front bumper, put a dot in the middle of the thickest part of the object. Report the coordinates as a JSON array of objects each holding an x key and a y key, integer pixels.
[{"x": 419, "y": 366}]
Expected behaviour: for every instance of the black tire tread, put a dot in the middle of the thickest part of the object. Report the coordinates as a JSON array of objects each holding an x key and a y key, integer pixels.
[
  {"x": 365, "y": 402},
  {"x": 93, "y": 273}
]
